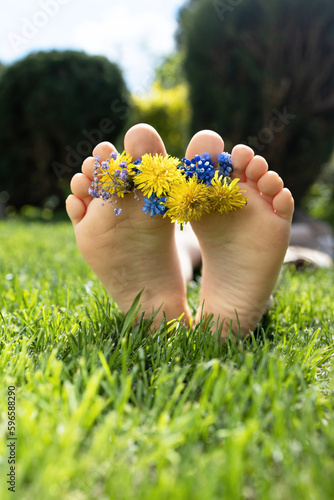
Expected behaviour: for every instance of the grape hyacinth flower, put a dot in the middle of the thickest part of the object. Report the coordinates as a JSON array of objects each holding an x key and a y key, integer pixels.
[
  {"x": 201, "y": 166},
  {"x": 225, "y": 164},
  {"x": 153, "y": 205},
  {"x": 136, "y": 163}
]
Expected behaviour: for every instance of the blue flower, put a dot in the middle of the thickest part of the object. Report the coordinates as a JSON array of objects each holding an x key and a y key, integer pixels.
[
  {"x": 206, "y": 157},
  {"x": 224, "y": 161},
  {"x": 153, "y": 205},
  {"x": 137, "y": 162},
  {"x": 201, "y": 166}
]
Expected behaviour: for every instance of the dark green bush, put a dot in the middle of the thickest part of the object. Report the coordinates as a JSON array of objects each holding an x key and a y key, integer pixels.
[
  {"x": 261, "y": 72},
  {"x": 54, "y": 108}
]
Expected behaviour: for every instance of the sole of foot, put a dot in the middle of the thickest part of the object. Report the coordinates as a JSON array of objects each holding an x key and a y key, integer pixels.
[
  {"x": 132, "y": 251},
  {"x": 242, "y": 251}
]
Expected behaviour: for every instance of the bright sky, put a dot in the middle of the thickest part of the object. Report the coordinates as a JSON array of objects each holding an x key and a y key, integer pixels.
[{"x": 134, "y": 33}]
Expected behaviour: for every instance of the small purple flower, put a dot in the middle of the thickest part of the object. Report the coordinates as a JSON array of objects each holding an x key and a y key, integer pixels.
[
  {"x": 117, "y": 172},
  {"x": 117, "y": 211},
  {"x": 105, "y": 196},
  {"x": 124, "y": 175},
  {"x": 114, "y": 155},
  {"x": 93, "y": 193},
  {"x": 96, "y": 165}
]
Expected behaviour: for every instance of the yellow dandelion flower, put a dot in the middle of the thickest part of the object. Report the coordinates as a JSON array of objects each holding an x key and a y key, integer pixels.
[
  {"x": 158, "y": 174},
  {"x": 187, "y": 201},
  {"x": 225, "y": 196},
  {"x": 116, "y": 174}
]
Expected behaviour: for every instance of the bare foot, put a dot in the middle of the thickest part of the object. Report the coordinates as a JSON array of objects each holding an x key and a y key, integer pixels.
[
  {"x": 132, "y": 251},
  {"x": 243, "y": 251}
]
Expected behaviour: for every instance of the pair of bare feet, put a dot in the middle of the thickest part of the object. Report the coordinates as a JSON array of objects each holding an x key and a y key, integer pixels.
[{"x": 242, "y": 252}]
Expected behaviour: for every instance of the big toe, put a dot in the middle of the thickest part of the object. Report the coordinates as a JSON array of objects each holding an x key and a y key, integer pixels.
[
  {"x": 141, "y": 139},
  {"x": 205, "y": 141}
]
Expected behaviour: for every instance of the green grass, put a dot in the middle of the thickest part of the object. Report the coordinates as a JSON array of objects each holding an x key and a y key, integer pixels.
[{"x": 105, "y": 412}]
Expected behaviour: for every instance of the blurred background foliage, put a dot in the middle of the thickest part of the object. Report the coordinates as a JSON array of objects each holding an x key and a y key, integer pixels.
[
  {"x": 168, "y": 110},
  {"x": 319, "y": 200},
  {"x": 167, "y": 107},
  {"x": 257, "y": 72},
  {"x": 2, "y": 69},
  {"x": 267, "y": 71},
  {"x": 54, "y": 108}
]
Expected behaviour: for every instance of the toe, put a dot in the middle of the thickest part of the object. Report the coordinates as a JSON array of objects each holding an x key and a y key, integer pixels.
[
  {"x": 75, "y": 208},
  {"x": 241, "y": 156},
  {"x": 256, "y": 168},
  {"x": 283, "y": 204},
  {"x": 270, "y": 184},
  {"x": 205, "y": 141},
  {"x": 141, "y": 139},
  {"x": 103, "y": 150},
  {"x": 88, "y": 167},
  {"x": 80, "y": 185}
]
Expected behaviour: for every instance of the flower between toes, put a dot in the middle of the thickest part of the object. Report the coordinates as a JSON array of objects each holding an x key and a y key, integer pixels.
[{"x": 154, "y": 205}]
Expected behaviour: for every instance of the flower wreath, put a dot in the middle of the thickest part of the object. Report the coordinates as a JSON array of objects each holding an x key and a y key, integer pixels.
[{"x": 181, "y": 191}]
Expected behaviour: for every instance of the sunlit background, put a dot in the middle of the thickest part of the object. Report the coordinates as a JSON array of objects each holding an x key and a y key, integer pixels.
[
  {"x": 136, "y": 35},
  {"x": 257, "y": 72}
]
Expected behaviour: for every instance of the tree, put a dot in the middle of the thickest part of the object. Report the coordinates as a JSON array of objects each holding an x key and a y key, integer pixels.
[
  {"x": 54, "y": 108},
  {"x": 2, "y": 69},
  {"x": 261, "y": 73},
  {"x": 170, "y": 73}
]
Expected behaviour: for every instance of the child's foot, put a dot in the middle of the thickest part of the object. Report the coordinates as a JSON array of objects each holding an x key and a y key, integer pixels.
[
  {"x": 243, "y": 251},
  {"x": 132, "y": 251}
]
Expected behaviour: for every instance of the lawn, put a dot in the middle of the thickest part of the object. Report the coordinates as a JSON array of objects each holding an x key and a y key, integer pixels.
[{"x": 102, "y": 411}]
